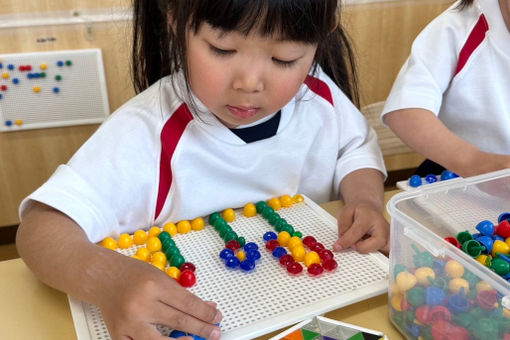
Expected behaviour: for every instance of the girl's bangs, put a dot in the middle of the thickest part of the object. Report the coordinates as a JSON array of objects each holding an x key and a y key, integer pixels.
[{"x": 296, "y": 20}]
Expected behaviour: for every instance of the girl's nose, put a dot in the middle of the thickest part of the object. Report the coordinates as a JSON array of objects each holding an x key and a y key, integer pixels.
[{"x": 249, "y": 79}]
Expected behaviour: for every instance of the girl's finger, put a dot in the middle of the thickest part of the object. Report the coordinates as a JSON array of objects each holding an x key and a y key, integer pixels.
[
  {"x": 351, "y": 236},
  {"x": 182, "y": 300},
  {"x": 166, "y": 315},
  {"x": 370, "y": 244},
  {"x": 345, "y": 220}
]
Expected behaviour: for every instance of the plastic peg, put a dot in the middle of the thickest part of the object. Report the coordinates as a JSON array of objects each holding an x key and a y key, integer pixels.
[
  {"x": 485, "y": 227},
  {"x": 473, "y": 248},
  {"x": 464, "y": 236},
  {"x": 452, "y": 240},
  {"x": 415, "y": 181},
  {"x": 487, "y": 242},
  {"x": 503, "y": 229},
  {"x": 504, "y": 216},
  {"x": 500, "y": 247}
]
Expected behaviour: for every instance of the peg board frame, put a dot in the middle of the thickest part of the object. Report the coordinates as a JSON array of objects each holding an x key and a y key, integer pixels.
[
  {"x": 268, "y": 298},
  {"x": 82, "y": 96}
]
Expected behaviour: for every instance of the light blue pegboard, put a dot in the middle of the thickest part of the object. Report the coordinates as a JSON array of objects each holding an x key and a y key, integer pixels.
[{"x": 35, "y": 98}]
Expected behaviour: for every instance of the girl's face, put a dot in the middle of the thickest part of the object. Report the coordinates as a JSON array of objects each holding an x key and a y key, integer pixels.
[{"x": 242, "y": 79}]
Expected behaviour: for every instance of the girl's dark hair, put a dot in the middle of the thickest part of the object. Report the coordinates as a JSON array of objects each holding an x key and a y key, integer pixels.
[
  {"x": 158, "y": 50},
  {"x": 464, "y": 4}
]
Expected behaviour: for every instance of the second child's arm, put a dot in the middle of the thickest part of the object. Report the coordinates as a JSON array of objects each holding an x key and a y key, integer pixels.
[
  {"x": 132, "y": 295},
  {"x": 361, "y": 224},
  {"x": 426, "y": 134}
]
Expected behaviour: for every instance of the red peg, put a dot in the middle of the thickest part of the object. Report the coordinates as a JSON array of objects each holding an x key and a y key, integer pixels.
[
  {"x": 272, "y": 244},
  {"x": 452, "y": 240},
  {"x": 440, "y": 329},
  {"x": 233, "y": 244},
  {"x": 187, "y": 278},
  {"x": 487, "y": 299},
  {"x": 188, "y": 266},
  {"x": 458, "y": 333},
  {"x": 440, "y": 313},
  {"x": 503, "y": 229},
  {"x": 308, "y": 241},
  {"x": 404, "y": 304},
  {"x": 423, "y": 314}
]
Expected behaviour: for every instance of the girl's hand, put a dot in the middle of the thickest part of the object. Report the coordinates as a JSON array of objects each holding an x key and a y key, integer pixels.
[
  {"x": 142, "y": 296},
  {"x": 133, "y": 296},
  {"x": 362, "y": 227}
]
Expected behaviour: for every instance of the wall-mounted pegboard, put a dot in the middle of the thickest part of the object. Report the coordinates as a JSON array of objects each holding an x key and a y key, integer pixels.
[
  {"x": 51, "y": 89},
  {"x": 268, "y": 298}
]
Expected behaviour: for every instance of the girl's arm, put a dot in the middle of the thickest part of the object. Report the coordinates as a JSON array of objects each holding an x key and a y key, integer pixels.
[
  {"x": 361, "y": 224},
  {"x": 133, "y": 296},
  {"x": 426, "y": 134}
]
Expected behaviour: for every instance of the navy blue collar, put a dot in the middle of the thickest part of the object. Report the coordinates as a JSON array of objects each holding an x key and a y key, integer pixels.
[{"x": 261, "y": 131}]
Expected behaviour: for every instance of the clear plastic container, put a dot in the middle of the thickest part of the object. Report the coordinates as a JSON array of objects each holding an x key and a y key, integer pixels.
[{"x": 438, "y": 291}]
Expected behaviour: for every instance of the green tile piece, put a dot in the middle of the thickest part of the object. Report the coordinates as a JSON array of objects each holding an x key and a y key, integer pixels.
[
  {"x": 309, "y": 335},
  {"x": 357, "y": 336}
]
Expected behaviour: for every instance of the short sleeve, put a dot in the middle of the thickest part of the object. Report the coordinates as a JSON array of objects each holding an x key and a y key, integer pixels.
[
  {"x": 431, "y": 65},
  {"x": 108, "y": 185}
]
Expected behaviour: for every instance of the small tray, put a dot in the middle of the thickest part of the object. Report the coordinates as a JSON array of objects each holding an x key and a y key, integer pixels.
[{"x": 321, "y": 328}]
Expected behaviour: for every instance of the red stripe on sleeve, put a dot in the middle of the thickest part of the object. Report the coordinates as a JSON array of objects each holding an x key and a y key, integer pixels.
[
  {"x": 319, "y": 87},
  {"x": 170, "y": 136},
  {"x": 474, "y": 40}
]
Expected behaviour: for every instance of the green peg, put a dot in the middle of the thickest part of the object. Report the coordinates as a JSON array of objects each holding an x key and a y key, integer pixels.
[
  {"x": 422, "y": 258},
  {"x": 416, "y": 296},
  {"x": 298, "y": 234},
  {"x": 500, "y": 266},
  {"x": 472, "y": 248},
  {"x": 464, "y": 236}
]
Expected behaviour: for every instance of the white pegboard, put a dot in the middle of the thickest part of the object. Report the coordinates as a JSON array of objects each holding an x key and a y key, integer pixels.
[
  {"x": 268, "y": 298},
  {"x": 49, "y": 95}
]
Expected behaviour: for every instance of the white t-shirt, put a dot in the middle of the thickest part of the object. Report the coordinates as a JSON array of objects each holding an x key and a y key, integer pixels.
[
  {"x": 459, "y": 68},
  {"x": 153, "y": 161}
]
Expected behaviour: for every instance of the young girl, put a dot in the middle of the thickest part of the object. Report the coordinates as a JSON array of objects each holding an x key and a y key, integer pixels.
[
  {"x": 451, "y": 101},
  {"x": 237, "y": 107}
]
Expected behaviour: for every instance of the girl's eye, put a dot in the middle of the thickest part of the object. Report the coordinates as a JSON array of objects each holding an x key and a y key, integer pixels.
[
  {"x": 284, "y": 63},
  {"x": 219, "y": 51}
]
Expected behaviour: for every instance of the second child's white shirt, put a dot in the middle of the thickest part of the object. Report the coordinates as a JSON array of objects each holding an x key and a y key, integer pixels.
[{"x": 459, "y": 68}]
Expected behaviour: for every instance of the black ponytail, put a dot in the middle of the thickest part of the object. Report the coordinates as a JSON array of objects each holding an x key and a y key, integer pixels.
[{"x": 150, "y": 50}]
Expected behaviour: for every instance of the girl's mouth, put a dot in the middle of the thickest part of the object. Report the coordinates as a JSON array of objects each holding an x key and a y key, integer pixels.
[{"x": 243, "y": 112}]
